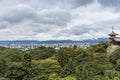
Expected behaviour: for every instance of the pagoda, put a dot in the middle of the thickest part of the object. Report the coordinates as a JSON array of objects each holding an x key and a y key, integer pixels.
[{"x": 113, "y": 40}]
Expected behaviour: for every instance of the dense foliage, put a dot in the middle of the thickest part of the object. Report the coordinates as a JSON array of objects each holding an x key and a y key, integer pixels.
[{"x": 73, "y": 63}]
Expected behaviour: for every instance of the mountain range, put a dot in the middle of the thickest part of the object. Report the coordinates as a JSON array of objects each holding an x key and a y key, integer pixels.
[{"x": 91, "y": 41}]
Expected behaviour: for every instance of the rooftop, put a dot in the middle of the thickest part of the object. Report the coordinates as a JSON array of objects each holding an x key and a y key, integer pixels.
[{"x": 113, "y": 33}]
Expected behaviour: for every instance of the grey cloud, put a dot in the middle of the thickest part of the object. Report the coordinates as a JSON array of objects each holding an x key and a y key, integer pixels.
[
  {"x": 22, "y": 12},
  {"x": 106, "y": 26},
  {"x": 30, "y": 18},
  {"x": 13, "y": 2},
  {"x": 17, "y": 13},
  {"x": 48, "y": 3},
  {"x": 78, "y": 30},
  {"x": 78, "y": 3},
  {"x": 110, "y": 3},
  {"x": 61, "y": 3},
  {"x": 91, "y": 29},
  {"x": 40, "y": 28},
  {"x": 59, "y": 18},
  {"x": 4, "y": 25}
]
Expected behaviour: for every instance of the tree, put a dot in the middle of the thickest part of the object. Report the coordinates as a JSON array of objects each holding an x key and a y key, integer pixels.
[
  {"x": 27, "y": 60},
  {"x": 98, "y": 48},
  {"x": 27, "y": 65},
  {"x": 91, "y": 65},
  {"x": 42, "y": 53},
  {"x": 114, "y": 56},
  {"x": 112, "y": 74},
  {"x": 115, "y": 59},
  {"x": 3, "y": 67},
  {"x": 12, "y": 55},
  {"x": 15, "y": 73},
  {"x": 62, "y": 58},
  {"x": 69, "y": 68},
  {"x": 45, "y": 68}
]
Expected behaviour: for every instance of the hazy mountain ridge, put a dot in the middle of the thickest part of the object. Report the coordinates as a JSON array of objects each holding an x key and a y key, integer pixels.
[{"x": 6, "y": 42}]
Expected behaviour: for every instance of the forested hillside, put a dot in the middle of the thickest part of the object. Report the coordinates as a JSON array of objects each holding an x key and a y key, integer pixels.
[{"x": 64, "y": 64}]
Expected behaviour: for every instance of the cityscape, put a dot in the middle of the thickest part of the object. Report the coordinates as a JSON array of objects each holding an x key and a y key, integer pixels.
[{"x": 57, "y": 44}]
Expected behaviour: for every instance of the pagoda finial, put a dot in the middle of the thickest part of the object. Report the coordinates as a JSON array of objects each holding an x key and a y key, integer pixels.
[
  {"x": 112, "y": 29},
  {"x": 113, "y": 33}
]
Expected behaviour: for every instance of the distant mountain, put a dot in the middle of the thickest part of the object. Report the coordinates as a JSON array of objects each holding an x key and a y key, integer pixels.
[
  {"x": 6, "y": 42},
  {"x": 72, "y": 41},
  {"x": 95, "y": 40}
]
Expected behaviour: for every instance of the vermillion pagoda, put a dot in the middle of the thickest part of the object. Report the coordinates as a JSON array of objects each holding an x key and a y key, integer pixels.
[{"x": 113, "y": 40}]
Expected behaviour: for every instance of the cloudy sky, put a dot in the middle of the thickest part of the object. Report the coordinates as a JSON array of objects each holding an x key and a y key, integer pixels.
[{"x": 58, "y": 19}]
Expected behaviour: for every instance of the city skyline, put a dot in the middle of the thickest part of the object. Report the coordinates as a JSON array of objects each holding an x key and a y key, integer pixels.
[{"x": 58, "y": 19}]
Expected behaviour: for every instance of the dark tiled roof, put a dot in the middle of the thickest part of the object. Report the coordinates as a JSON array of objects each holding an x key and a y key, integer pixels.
[{"x": 113, "y": 33}]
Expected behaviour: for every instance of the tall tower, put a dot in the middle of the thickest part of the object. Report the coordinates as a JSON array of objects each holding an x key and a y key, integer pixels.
[{"x": 112, "y": 37}]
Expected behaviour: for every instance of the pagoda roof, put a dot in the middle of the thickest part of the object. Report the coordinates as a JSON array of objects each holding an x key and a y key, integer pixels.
[{"x": 113, "y": 33}]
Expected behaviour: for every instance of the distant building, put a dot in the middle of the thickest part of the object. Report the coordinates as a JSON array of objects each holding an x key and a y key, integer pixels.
[{"x": 113, "y": 40}]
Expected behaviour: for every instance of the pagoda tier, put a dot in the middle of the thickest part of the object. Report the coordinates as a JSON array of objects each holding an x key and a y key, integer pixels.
[{"x": 113, "y": 40}]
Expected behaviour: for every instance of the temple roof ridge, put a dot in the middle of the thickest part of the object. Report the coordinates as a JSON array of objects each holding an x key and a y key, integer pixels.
[{"x": 113, "y": 33}]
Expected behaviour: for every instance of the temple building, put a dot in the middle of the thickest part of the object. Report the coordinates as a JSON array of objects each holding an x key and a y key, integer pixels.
[{"x": 113, "y": 39}]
